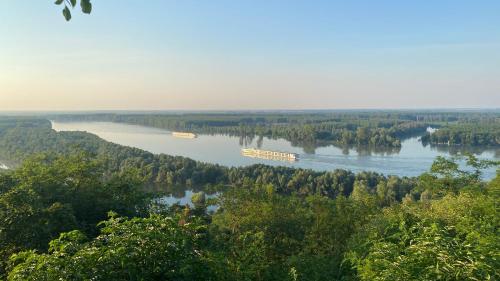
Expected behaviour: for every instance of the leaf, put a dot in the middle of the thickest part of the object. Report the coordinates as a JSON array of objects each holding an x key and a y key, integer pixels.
[
  {"x": 86, "y": 6},
  {"x": 58, "y": 2},
  {"x": 73, "y": 2},
  {"x": 66, "y": 13}
]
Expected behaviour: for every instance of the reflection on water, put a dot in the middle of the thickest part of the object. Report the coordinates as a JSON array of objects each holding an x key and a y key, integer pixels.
[
  {"x": 310, "y": 148},
  {"x": 370, "y": 150},
  {"x": 3, "y": 166},
  {"x": 185, "y": 199},
  {"x": 460, "y": 150},
  {"x": 179, "y": 191},
  {"x": 411, "y": 159}
]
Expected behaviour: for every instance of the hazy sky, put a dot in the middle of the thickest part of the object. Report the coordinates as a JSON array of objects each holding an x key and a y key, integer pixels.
[{"x": 249, "y": 54}]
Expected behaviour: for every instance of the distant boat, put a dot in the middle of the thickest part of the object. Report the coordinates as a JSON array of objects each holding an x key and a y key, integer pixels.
[
  {"x": 268, "y": 154},
  {"x": 184, "y": 135}
]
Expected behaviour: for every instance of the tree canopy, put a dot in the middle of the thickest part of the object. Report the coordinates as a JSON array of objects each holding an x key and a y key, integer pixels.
[{"x": 76, "y": 207}]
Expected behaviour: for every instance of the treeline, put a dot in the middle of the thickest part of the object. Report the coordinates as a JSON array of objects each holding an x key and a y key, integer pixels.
[
  {"x": 343, "y": 128},
  {"x": 50, "y": 206},
  {"x": 473, "y": 134}
]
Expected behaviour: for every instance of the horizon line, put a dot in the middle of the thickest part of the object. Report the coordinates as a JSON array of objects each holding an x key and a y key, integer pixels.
[{"x": 249, "y": 110}]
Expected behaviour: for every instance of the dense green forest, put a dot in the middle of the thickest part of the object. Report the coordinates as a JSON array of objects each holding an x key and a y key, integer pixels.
[
  {"x": 484, "y": 134},
  {"x": 76, "y": 208},
  {"x": 62, "y": 218},
  {"x": 344, "y": 128}
]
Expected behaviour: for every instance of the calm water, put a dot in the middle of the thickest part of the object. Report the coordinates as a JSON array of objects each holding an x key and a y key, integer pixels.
[
  {"x": 184, "y": 198},
  {"x": 411, "y": 160}
]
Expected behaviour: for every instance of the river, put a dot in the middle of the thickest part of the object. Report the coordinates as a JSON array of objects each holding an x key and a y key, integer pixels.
[
  {"x": 411, "y": 160},
  {"x": 184, "y": 198}
]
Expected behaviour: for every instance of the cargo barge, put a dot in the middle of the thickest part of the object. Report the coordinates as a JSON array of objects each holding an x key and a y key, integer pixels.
[
  {"x": 268, "y": 154},
  {"x": 184, "y": 135}
]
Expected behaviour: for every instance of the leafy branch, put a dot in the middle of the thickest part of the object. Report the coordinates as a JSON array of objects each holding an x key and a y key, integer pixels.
[{"x": 84, "y": 4}]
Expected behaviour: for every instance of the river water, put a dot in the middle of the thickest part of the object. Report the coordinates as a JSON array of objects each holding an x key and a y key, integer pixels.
[
  {"x": 411, "y": 160},
  {"x": 184, "y": 198}
]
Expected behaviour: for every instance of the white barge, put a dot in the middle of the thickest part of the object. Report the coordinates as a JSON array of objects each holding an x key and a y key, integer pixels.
[
  {"x": 268, "y": 154},
  {"x": 184, "y": 135}
]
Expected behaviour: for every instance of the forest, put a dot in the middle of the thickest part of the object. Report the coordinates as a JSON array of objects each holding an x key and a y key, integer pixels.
[
  {"x": 62, "y": 220},
  {"x": 75, "y": 207},
  {"x": 486, "y": 134},
  {"x": 374, "y": 129}
]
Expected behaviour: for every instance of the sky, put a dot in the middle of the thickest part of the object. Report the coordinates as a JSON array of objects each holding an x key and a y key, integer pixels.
[{"x": 250, "y": 54}]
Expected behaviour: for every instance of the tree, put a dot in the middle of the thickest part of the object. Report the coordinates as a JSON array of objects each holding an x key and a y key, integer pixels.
[
  {"x": 361, "y": 193},
  {"x": 385, "y": 194},
  {"x": 451, "y": 238},
  {"x": 50, "y": 194},
  {"x": 153, "y": 248},
  {"x": 445, "y": 176},
  {"x": 333, "y": 222},
  {"x": 494, "y": 187},
  {"x": 258, "y": 231}
]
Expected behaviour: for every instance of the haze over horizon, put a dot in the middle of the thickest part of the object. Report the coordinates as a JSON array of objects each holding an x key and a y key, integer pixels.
[{"x": 250, "y": 55}]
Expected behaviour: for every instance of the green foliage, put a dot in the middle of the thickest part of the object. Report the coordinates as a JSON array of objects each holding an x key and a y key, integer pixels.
[
  {"x": 273, "y": 223},
  {"x": 267, "y": 236},
  {"x": 85, "y": 5},
  {"x": 199, "y": 198},
  {"x": 455, "y": 238},
  {"x": 154, "y": 248},
  {"x": 258, "y": 231},
  {"x": 483, "y": 133},
  {"x": 445, "y": 176},
  {"x": 51, "y": 194},
  {"x": 493, "y": 188},
  {"x": 333, "y": 222}
]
